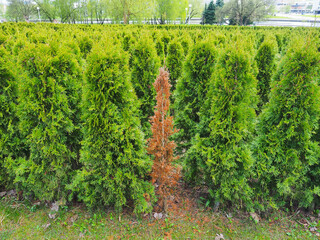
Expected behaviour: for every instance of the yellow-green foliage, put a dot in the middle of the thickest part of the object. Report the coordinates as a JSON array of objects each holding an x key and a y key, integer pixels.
[
  {"x": 62, "y": 135},
  {"x": 114, "y": 159}
]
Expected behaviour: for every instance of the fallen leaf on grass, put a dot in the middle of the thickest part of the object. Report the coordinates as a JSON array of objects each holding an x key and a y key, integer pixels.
[
  {"x": 218, "y": 228},
  {"x": 55, "y": 206},
  {"x": 2, "y": 217},
  {"x": 313, "y": 229},
  {"x": 219, "y": 237},
  {"x": 12, "y": 193},
  {"x": 2, "y": 194},
  {"x": 255, "y": 217},
  {"x": 167, "y": 235},
  {"x": 46, "y": 225},
  {"x": 304, "y": 222},
  {"x": 158, "y": 215},
  {"x": 52, "y": 216},
  {"x": 74, "y": 218}
]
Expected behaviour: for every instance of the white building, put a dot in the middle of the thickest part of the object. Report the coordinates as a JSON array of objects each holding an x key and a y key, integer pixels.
[
  {"x": 316, "y": 7},
  {"x": 297, "y": 6}
]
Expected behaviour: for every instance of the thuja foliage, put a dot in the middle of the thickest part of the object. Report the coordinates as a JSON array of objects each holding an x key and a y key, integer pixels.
[
  {"x": 174, "y": 61},
  {"x": 85, "y": 45},
  {"x": 265, "y": 59},
  {"x": 128, "y": 41},
  {"x": 287, "y": 153},
  {"x": 160, "y": 48},
  {"x": 9, "y": 136},
  {"x": 191, "y": 92},
  {"x": 144, "y": 68},
  {"x": 114, "y": 159},
  {"x": 160, "y": 146},
  {"x": 186, "y": 43},
  {"x": 228, "y": 156},
  {"x": 47, "y": 88},
  {"x": 165, "y": 39}
]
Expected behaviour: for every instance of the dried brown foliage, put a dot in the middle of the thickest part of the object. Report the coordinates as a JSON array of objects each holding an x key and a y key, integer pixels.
[{"x": 164, "y": 175}]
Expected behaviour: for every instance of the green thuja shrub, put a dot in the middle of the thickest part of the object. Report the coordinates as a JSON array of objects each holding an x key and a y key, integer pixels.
[
  {"x": 174, "y": 62},
  {"x": 229, "y": 161},
  {"x": 85, "y": 45},
  {"x": 165, "y": 39},
  {"x": 127, "y": 42},
  {"x": 265, "y": 59},
  {"x": 160, "y": 49},
  {"x": 10, "y": 141},
  {"x": 186, "y": 43},
  {"x": 287, "y": 152},
  {"x": 191, "y": 93},
  {"x": 48, "y": 89},
  {"x": 115, "y": 163},
  {"x": 3, "y": 39},
  {"x": 144, "y": 69}
]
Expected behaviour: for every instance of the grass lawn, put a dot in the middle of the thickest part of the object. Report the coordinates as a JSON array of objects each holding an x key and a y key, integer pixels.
[
  {"x": 278, "y": 17},
  {"x": 313, "y": 16},
  {"x": 23, "y": 220}
]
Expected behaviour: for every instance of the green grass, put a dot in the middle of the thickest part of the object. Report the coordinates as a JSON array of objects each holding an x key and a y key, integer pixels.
[
  {"x": 317, "y": 16},
  {"x": 278, "y": 17},
  {"x": 20, "y": 220}
]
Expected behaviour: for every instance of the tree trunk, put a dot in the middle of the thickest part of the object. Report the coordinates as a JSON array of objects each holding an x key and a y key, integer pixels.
[{"x": 125, "y": 18}]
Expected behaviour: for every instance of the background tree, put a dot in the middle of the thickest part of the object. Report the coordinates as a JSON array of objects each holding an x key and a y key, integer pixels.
[
  {"x": 99, "y": 10},
  {"x": 19, "y": 10},
  {"x": 196, "y": 8},
  {"x": 127, "y": 10},
  {"x": 68, "y": 10},
  {"x": 203, "y": 14},
  {"x": 209, "y": 14},
  {"x": 48, "y": 9},
  {"x": 244, "y": 12},
  {"x": 219, "y": 3},
  {"x": 169, "y": 10}
]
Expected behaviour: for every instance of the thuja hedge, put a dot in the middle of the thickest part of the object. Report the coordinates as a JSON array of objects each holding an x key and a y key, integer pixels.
[
  {"x": 174, "y": 62},
  {"x": 145, "y": 66},
  {"x": 46, "y": 108},
  {"x": 190, "y": 95},
  {"x": 10, "y": 141},
  {"x": 76, "y": 100},
  {"x": 287, "y": 145},
  {"x": 113, "y": 156},
  {"x": 265, "y": 59}
]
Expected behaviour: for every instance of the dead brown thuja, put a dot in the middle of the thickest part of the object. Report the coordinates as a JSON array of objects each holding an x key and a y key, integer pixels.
[{"x": 164, "y": 175}]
